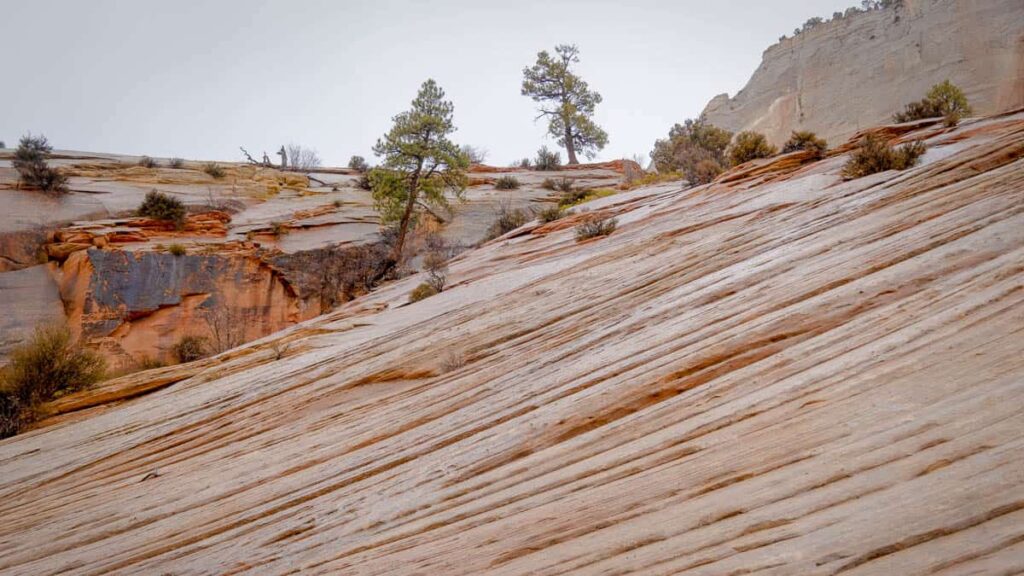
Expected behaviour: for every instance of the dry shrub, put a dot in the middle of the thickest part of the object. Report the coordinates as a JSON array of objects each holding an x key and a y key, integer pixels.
[
  {"x": 550, "y": 214},
  {"x": 191, "y": 348},
  {"x": 507, "y": 183},
  {"x": 49, "y": 364},
  {"x": 749, "y": 145},
  {"x": 506, "y": 220},
  {"x": 421, "y": 292},
  {"x": 214, "y": 170},
  {"x": 160, "y": 206},
  {"x": 806, "y": 140},
  {"x": 30, "y": 160},
  {"x": 547, "y": 159},
  {"x": 147, "y": 162},
  {"x": 593, "y": 226},
  {"x": 876, "y": 155}
]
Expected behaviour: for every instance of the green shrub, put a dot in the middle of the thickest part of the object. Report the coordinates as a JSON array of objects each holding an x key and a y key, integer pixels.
[
  {"x": 160, "y": 206},
  {"x": 30, "y": 160},
  {"x": 147, "y": 162},
  {"x": 424, "y": 290},
  {"x": 696, "y": 149},
  {"x": 594, "y": 226},
  {"x": 747, "y": 146},
  {"x": 176, "y": 163},
  {"x": 191, "y": 348},
  {"x": 358, "y": 163},
  {"x": 550, "y": 214},
  {"x": 507, "y": 220},
  {"x": 547, "y": 159},
  {"x": 49, "y": 364},
  {"x": 176, "y": 250},
  {"x": 364, "y": 182},
  {"x": 507, "y": 183},
  {"x": 805, "y": 140},
  {"x": 945, "y": 100},
  {"x": 874, "y": 155},
  {"x": 214, "y": 170}
]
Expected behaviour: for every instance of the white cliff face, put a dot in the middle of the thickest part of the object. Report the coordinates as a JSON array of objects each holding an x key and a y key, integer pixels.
[{"x": 855, "y": 72}]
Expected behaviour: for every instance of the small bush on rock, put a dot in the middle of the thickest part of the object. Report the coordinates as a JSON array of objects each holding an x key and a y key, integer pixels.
[
  {"x": 547, "y": 159},
  {"x": 945, "y": 100},
  {"x": 50, "y": 363},
  {"x": 421, "y": 292},
  {"x": 176, "y": 163},
  {"x": 876, "y": 155},
  {"x": 507, "y": 220},
  {"x": 214, "y": 170},
  {"x": 550, "y": 214},
  {"x": 176, "y": 250},
  {"x": 507, "y": 183},
  {"x": 594, "y": 226},
  {"x": 160, "y": 206},
  {"x": 747, "y": 146},
  {"x": 30, "y": 160},
  {"x": 147, "y": 162},
  {"x": 805, "y": 140},
  {"x": 191, "y": 348},
  {"x": 358, "y": 163}
]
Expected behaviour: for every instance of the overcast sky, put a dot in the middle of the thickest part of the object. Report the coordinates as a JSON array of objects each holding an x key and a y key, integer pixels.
[{"x": 197, "y": 79}]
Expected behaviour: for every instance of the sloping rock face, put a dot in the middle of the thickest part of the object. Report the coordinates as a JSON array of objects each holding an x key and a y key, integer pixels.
[
  {"x": 778, "y": 372},
  {"x": 855, "y": 72}
]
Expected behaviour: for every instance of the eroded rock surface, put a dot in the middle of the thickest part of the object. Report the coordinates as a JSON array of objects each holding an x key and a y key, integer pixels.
[
  {"x": 855, "y": 72},
  {"x": 779, "y": 372}
]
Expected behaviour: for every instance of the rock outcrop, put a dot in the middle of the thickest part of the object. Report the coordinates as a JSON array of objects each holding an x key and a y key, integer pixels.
[
  {"x": 781, "y": 372},
  {"x": 855, "y": 72}
]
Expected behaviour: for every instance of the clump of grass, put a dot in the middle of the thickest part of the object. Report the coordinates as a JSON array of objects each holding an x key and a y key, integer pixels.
[
  {"x": 49, "y": 364},
  {"x": 176, "y": 163},
  {"x": 423, "y": 291},
  {"x": 876, "y": 155},
  {"x": 147, "y": 162},
  {"x": 550, "y": 214},
  {"x": 214, "y": 170},
  {"x": 507, "y": 183},
  {"x": 191, "y": 348},
  {"x": 594, "y": 226},
  {"x": 176, "y": 250},
  {"x": 806, "y": 140},
  {"x": 160, "y": 206}
]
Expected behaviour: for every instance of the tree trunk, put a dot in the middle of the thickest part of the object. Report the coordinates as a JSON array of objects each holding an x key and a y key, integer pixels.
[
  {"x": 570, "y": 148},
  {"x": 403, "y": 226}
]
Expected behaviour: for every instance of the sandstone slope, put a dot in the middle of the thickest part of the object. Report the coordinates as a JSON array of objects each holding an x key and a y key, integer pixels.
[
  {"x": 780, "y": 372},
  {"x": 854, "y": 72}
]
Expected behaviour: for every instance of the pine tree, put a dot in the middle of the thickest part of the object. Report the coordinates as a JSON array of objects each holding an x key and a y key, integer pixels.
[{"x": 566, "y": 101}]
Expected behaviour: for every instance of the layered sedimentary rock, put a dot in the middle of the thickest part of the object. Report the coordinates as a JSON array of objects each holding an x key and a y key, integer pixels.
[
  {"x": 781, "y": 372},
  {"x": 855, "y": 72}
]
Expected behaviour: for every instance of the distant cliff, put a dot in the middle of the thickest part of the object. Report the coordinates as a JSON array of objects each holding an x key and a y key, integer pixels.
[{"x": 854, "y": 72}]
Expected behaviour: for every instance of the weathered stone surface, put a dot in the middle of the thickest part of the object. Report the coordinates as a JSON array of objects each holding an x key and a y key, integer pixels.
[
  {"x": 794, "y": 375},
  {"x": 855, "y": 72}
]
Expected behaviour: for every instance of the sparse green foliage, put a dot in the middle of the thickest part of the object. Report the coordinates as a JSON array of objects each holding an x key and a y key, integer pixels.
[
  {"x": 176, "y": 250},
  {"x": 876, "y": 155},
  {"x": 160, "y": 206},
  {"x": 593, "y": 226},
  {"x": 566, "y": 101},
  {"x": 747, "y": 146},
  {"x": 547, "y": 160},
  {"x": 358, "y": 163},
  {"x": 694, "y": 148},
  {"x": 421, "y": 292},
  {"x": 30, "y": 160},
  {"x": 507, "y": 183},
  {"x": 147, "y": 162},
  {"x": 805, "y": 140},
  {"x": 50, "y": 363},
  {"x": 176, "y": 163},
  {"x": 191, "y": 348},
  {"x": 420, "y": 164},
  {"x": 214, "y": 170},
  {"x": 944, "y": 99}
]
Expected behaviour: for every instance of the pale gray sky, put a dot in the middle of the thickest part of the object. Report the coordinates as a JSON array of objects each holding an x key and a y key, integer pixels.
[{"x": 199, "y": 78}]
